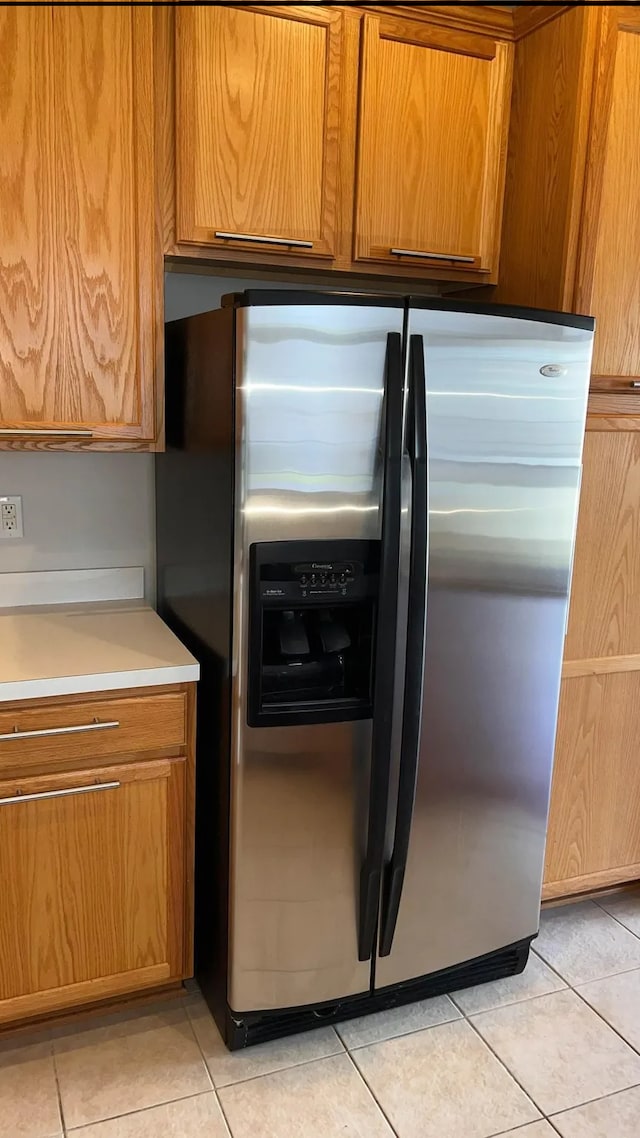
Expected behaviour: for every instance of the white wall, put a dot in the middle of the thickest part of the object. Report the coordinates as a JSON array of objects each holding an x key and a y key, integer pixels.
[
  {"x": 84, "y": 510},
  {"x": 81, "y": 511},
  {"x": 185, "y": 294}
]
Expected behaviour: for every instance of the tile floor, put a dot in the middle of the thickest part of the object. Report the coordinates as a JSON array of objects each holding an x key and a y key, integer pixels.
[{"x": 555, "y": 1051}]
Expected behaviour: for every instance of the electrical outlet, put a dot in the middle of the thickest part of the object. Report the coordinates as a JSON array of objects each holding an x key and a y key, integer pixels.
[{"x": 10, "y": 516}]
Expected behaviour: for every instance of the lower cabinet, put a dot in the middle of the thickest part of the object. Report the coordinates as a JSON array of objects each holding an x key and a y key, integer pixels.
[
  {"x": 594, "y": 825},
  {"x": 94, "y": 869}
]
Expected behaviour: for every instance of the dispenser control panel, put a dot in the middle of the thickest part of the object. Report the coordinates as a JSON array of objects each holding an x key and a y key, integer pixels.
[
  {"x": 326, "y": 576},
  {"x": 312, "y": 578},
  {"x": 311, "y": 631}
]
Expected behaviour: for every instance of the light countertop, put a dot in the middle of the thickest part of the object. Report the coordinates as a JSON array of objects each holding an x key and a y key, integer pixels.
[{"x": 67, "y": 649}]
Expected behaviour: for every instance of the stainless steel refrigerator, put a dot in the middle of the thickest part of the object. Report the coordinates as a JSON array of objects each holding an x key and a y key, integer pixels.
[{"x": 365, "y": 519}]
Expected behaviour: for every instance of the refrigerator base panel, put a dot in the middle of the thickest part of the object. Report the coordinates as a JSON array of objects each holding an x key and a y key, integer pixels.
[{"x": 258, "y": 1027}]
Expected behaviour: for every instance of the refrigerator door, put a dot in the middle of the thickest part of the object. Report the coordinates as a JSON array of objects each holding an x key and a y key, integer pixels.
[
  {"x": 505, "y": 412},
  {"x": 313, "y": 383}
]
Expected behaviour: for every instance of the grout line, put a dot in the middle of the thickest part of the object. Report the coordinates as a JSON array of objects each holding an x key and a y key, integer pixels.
[
  {"x": 522, "y": 1126},
  {"x": 201, "y": 1052},
  {"x": 606, "y": 1021},
  {"x": 70, "y": 1131},
  {"x": 589, "y": 1102},
  {"x": 509, "y": 1071},
  {"x": 224, "y": 1114},
  {"x": 400, "y": 1034},
  {"x": 616, "y": 919},
  {"x": 550, "y": 966},
  {"x": 373, "y": 1094},
  {"x": 280, "y": 1070},
  {"x": 514, "y": 1002},
  {"x": 553, "y": 1125},
  {"x": 55, "y": 1075}
]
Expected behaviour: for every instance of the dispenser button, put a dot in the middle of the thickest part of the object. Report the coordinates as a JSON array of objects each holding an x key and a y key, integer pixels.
[
  {"x": 313, "y": 579},
  {"x": 303, "y": 579}
]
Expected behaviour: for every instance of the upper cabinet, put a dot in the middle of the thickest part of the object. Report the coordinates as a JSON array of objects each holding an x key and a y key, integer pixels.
[
  {"x": 433, "y": 122},
  {"x": 79, "y": 272},
  {"x": 257, "y": 126},
  {"x": 571, "y": 235},
  {"x": 608, "y": 281},
  {"x": 280, "y": 111}
]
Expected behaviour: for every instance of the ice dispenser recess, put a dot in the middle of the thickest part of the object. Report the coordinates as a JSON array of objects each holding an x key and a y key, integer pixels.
[{"x": 311, "y": 631}]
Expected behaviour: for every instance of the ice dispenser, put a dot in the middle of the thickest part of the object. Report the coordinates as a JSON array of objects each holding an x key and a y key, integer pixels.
[{"x": 311, "y": 631}]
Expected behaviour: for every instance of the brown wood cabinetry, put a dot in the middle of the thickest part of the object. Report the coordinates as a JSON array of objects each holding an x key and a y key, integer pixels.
[
  {"x": 95, "y": 858},
  {"x": 433, "y": 121},
  {"x": 279, "y": 110},
  {"x": 608, "y": 282},
  {"x": 594, "y": 825},
  {"x": 79, "y": 274},
  {"x": 571, "y": 236},
  {"x": 257, "y": 127},
  {"x": 571, "y": 240}
]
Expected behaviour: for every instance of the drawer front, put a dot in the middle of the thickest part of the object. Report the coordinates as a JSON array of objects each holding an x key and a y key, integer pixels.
[{"x": 61, "y": 733}]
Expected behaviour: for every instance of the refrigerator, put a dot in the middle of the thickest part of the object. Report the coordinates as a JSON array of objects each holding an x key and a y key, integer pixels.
[{"x": 366, "y": 516}]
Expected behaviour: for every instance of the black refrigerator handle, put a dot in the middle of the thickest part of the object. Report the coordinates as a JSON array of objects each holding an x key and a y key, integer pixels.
[
  {"x": 371, "y": 871},
  {"x": 412, "y": 704}
]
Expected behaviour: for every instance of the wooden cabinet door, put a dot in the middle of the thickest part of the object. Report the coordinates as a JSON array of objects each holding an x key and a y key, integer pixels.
[
  {"x": 608, "y": 284},
  {"x": 92, "y": 866},
  {"x": 79, "y": 281},
  {"x": 432, "y": 143},
  {"x": 594, "y": 826},
  {"x": 257, "y": 123},
  {"x": 604, "y": 614},
  {"x": 30, "y": 300}
]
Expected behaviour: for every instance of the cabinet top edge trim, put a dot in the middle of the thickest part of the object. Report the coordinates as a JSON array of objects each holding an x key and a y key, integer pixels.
[
  {"x": 483, "y": 20},
  {"x": 530, "y": 17}
]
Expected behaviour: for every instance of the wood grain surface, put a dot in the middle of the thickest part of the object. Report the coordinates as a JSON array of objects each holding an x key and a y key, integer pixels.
[
  {"x": 86, "y": 884},
  {"x": 79, "y": 310},
  {"x": 608, "y": 280},
  {"x": 491, "y": 19},
  {"x": 30, "y": 317},
  {"x": 594, "y": 824},
  {"x": 528, "y": 17},
  {"x": 604, "y": 615},
  {"x": 147, "y": 724},
  {"x": 257, "y": 120},
  {"x": 603, "y": 879},
  {"x": 430, "y": 152},
  {"x": 546, "y": 161}
]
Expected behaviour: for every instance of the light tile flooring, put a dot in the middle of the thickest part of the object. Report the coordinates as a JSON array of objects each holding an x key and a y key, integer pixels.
[{"x": 555, "y": 1051}]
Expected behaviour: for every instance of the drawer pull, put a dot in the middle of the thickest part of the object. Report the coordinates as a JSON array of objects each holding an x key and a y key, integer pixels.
[
  {"x": 59, "y": 793},
  {"x": 95, "y": 726},
  {"x": 634, "y": 383},
  {"x": 266, "y": 240},
  {"x": 48, "y": 432},
  {"x": 433, "y": 256}
]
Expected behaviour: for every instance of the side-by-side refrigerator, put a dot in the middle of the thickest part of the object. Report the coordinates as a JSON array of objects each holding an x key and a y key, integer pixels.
[{"x": 366, "y": 517}]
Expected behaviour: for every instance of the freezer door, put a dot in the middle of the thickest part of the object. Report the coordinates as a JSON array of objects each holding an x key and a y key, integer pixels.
[
  {"x": 310, "y": 430},
  {"x": 505, "y": 414}
]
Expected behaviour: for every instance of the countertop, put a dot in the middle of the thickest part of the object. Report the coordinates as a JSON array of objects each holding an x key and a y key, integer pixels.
[{"x": 66, "y": 649}]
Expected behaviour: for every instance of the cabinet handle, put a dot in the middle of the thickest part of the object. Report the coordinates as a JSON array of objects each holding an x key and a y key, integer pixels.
[
  {"x": 265, "y": 240},
  {"x": 59, "y": 793},
  {"x": 64, "y": 432},
  {"x": 16, "y": 734},
  {"x": 635, "y": 383},
  {"x": 433, "y": 256}
]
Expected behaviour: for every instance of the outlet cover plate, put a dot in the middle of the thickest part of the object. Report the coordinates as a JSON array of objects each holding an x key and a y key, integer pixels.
[{"x": 10, "y": 516}]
